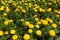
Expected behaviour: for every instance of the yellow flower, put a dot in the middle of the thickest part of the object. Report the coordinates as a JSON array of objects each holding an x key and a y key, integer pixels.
[
  {"x": 2, "y": 8},
  {"x": 38, "y": 22},
  {"x": 10, "y": 21},
  {"x": 40, "y": 9},
  {"x": 31, "y": 26},
  {"x": 44, "y": 22},
  {"x": 55, "y": 10},
  {"x": 35, "y": 9},
  {"x": 43, "y": 10},
  {"x": 26, "y": 37},
  {"x": 3, "y": 2},
  {"x": 14, "y": 4},
  {"x": 30, "y": 30},
  {"x": 37, "y": 26},
  {"x": 30, "y": 5},
  {"x": 27, "y": 23},
  {"x": 22, "y": 20},
  {"x": 36, "y": 6},
  {"x": 41, "y": 20},
  {"x": 35, "y": 15},
  {"x": 6, "y": 33},
  {"x": 59, "y": 22},
  {"x": 12, "y": 31},
  {"x": 47, "y": 19},
  {"x": 57, "y": 15},
  {"x": 38, "y": 32},
  {"x": 24, "y": 11},
  {"x": 6, "y": 22},
  {"x": 49, "y": 9},
  {"x": 20, "y": 7},
  {"x": 1, "y": 33},
  {"x": 52, "y": 33},
  {"x": 5, "y": 14},
  {"x": 54, "y": 25},
  {"x": 51, "y": 21},
  {"x": 7, "y": 9},
  {"x": 36, "y": 19},
  {"x": 58, "y": 12},
  {"x": 14, "y": 37}
]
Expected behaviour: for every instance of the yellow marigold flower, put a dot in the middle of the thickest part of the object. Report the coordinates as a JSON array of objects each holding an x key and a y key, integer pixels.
[
  {"x": 38, "y": 22},
  {"x": 6, "y": 22},
  {"x": 54, "y": 25},
  {"x": 58, "y": 12},
  {"x": 37, "y": 26},
  {"x": 24, "y": 11},
  {"x": 52, "y": 33},
  {"x": 38, "y": 32},
  {"x": 29, "y": 5},
  {"x": 49, "y": 9},
  {"x": 35, "y": 15},
  {"x": 40, "y": 9},
  {"x": 47, "y": 19},
  {"x": 12, "y": 31},
  {"x": 3, "y": 2},
  {"x": 14, "y": 37},
  {"x": 26, "y": 37},
  {"x": 6, "y": 33},
  {"x": 2, "y": 8},
  {"x": 22, "y": 20},
  {"x": 36, "y": 19},
  {"x": 41, "y": 20},
  {"x": 10, "y": 21},
  {"x": 7, "y": 9},
  {"x": 59, "y": 22},
  {"x": 35, "y": 9},
  {"x": 51, "y": 21},
  {"x": 35, "y": 5},
  {"x": 31, "y": 26},
  {"x": 44, "y": 22},
  {"x": 5, "y": 14},
  {"x": 27, "y": 23},
  {"x": 43, "y": 10},
  {"x": 20, "y": 7},
  {"x": 30, "y": 30},
  {"x": 57, "y": 15},
  {"x": 55, "y": 10},
  {"x": 1, "y": 33},
  {"x": 14, "y": 4}
]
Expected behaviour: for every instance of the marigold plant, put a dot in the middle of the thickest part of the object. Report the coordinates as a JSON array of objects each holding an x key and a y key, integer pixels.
[{"x": 29, "y": 19}]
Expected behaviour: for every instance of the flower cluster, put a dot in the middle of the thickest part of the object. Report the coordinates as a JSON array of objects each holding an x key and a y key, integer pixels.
[{"x": 29, "y": 19}]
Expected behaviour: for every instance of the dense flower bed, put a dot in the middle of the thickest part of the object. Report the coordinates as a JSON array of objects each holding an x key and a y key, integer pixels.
[{"x": 29, "y": 20}]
